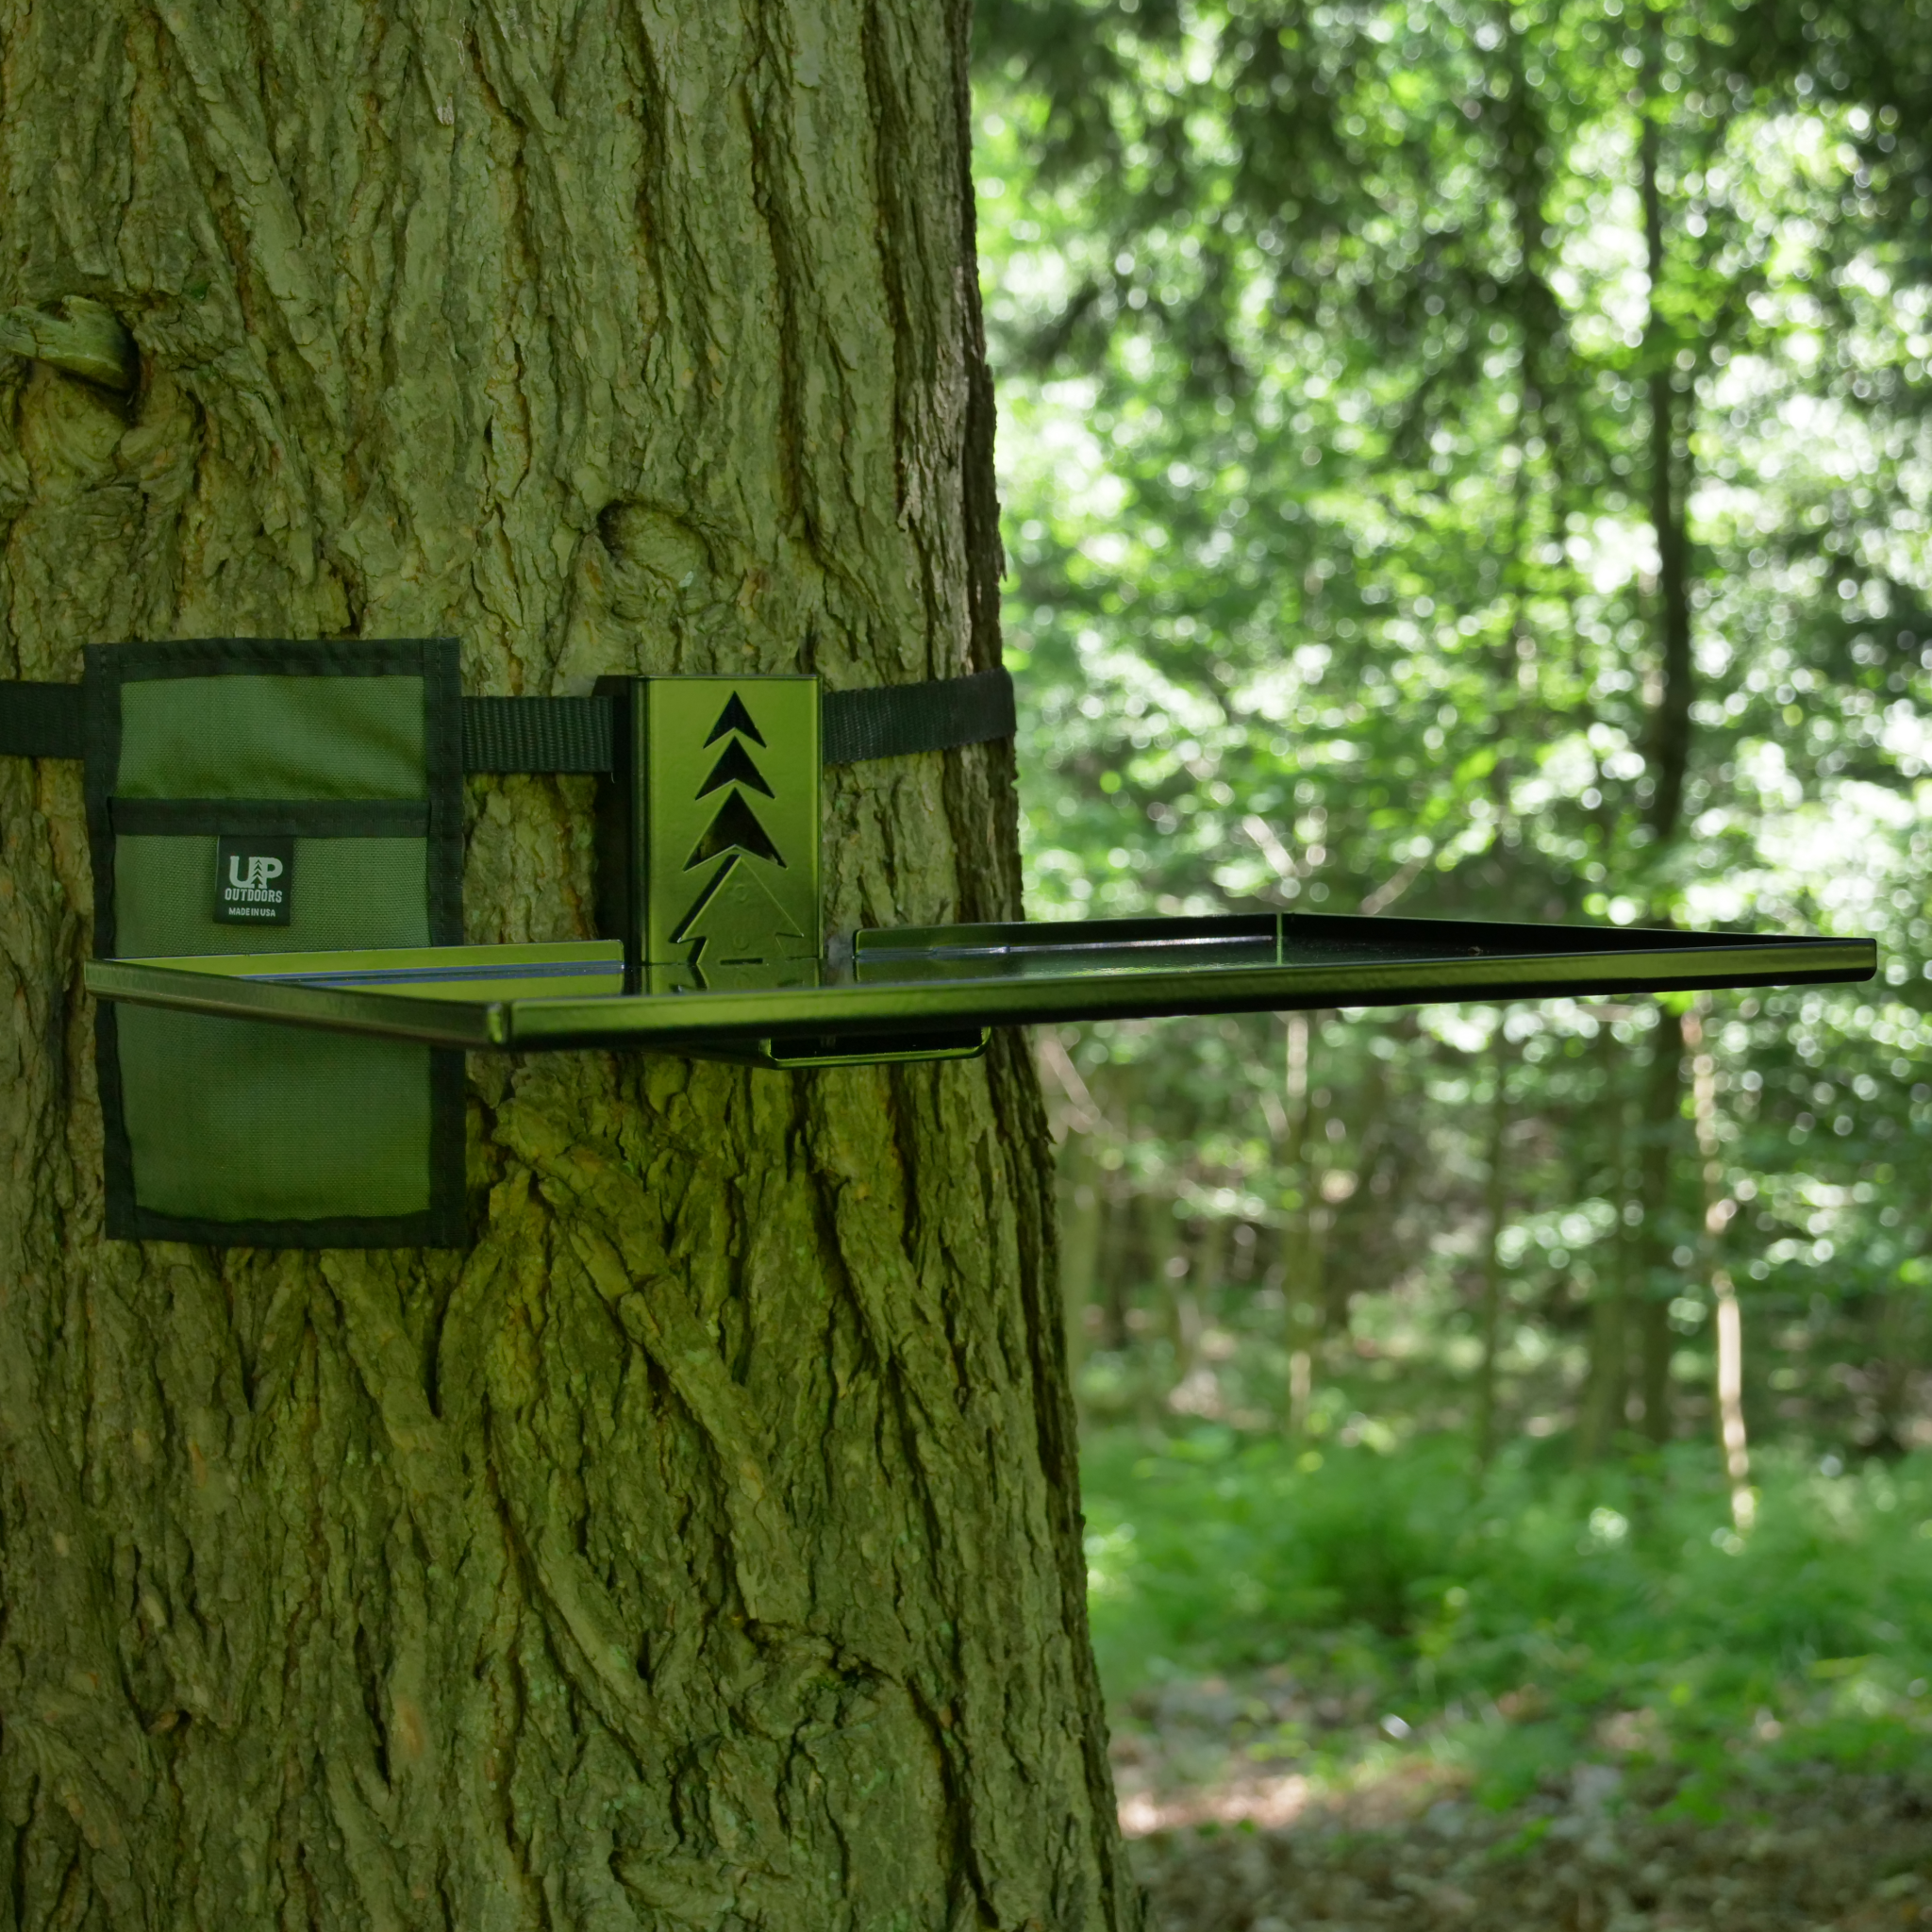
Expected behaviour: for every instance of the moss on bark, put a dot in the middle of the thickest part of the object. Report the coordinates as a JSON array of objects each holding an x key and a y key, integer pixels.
[{"x": 700, "y": 1549}]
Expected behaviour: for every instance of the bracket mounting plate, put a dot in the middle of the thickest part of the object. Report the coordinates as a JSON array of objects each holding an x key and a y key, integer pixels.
[{"x": 707, "y": 831}]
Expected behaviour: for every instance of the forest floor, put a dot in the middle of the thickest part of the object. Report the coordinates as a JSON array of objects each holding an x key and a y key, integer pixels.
[
  {"x": 1357, "y": 1688},
  {"x": 1227, "y": 1841}
]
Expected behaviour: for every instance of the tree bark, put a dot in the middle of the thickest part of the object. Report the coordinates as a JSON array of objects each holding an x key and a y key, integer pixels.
[
  {"x": 1303, "y": 1243},
  {"x": 701, "y": 1547},
  {"x": 1495, "y": 1204},
  {"x": 1668, "y": 754},
  {"x": 1116, "y": 1246},
  {"x": 1670, "y": 723},
  {"x": 1605, "y": 1391},
  {"x": 1656, "y": 1166},
  {"x": 1901, "y": 1316}
]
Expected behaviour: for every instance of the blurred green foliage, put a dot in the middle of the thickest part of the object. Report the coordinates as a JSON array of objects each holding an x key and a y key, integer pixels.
[
  {"x": 1556, "y": 1616},
  {"x": 1475, "y": 458}
]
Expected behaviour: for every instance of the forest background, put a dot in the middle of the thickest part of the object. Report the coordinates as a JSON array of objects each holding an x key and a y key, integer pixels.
[{"x": 1476, "y": 459}]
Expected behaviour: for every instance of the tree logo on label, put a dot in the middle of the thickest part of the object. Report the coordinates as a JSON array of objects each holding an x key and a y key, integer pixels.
[{"x": 254, "y": 880}]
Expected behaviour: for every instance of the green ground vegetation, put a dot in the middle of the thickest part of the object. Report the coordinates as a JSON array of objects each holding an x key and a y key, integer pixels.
[{"x": 1356, "y": 1608}]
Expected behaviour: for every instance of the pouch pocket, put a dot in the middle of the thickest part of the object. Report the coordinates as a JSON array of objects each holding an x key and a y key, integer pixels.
[{"x": 230, "y": 1132}]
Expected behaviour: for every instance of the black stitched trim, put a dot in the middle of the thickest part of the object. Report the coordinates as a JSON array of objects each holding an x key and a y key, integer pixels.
[
  {"x": 428, "y": 1229},
  {"x": 117, "y": 1151},
  {"x": 266, "y": 656},
  {"x": 442, "y": 772}
]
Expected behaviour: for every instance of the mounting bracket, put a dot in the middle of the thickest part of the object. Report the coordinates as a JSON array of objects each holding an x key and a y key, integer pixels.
[{"x": 708, "y": 832}]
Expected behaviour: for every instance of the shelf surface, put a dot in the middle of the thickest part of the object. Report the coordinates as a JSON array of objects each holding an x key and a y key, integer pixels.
[{"x": 918, "y": 993}]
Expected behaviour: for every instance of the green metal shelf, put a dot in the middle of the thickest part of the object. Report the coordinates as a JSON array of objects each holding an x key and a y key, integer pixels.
[{"x": 931, "y": 991}]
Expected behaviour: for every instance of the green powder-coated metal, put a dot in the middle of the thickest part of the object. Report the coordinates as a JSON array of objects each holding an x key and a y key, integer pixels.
[
  {"x": 710, "y": 831},
  {"x": 948, "y": 981}
]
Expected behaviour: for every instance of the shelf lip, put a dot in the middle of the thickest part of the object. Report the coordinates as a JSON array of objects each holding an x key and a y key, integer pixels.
[
  {"x": 885, "y": 1007},
  {"x": 472, "y": 1024},
  {"x": 686, "y": 1022}
]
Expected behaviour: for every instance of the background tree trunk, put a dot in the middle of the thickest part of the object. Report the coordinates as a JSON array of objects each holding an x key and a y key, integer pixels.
[
  {"x": 1160, "y": 1244},
  {"x": 1495, "y": 1206},
  {"x": 1606, "y": 1386},
  {"x": 1657, "y": 1157},
  {"x": 1082, "y": 1213},
  {"x": 701, "y": 1548},
  {"x": 1669, "y": 753},
  {"x": 1719, "y": 1207},
  {"x": 1302, "y": 1249}
]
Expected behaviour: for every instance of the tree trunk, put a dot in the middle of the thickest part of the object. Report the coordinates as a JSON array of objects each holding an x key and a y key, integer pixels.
[
  {"x": 1210, "y": 1268},
  {"x": 1669, "y": 752},
  {"x": 1303, "y": 1242},
  {"x": 1495, "y": 1202},
  {"x": 1080, "y": 1224},
  {"x": 1342, "y": 1275},
  {"x": 1657, "y": 1160},
  {"x": 1901, "y": 1314},
  {"x": 1605, "y": 1391},
  {"x": 1162, "y": 1336},
  {"x": 1718, "y": 1209},
  {"x": 1116, "y": 1257},
  {"x": 701, "y": 1546}
]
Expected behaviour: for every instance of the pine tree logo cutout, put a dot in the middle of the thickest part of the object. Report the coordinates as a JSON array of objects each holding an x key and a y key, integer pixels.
[{"x": 736, "y": 927}]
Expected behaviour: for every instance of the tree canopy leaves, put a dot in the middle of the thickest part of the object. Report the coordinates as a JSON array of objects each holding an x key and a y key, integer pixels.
[{"x": 1476, "y": 458}]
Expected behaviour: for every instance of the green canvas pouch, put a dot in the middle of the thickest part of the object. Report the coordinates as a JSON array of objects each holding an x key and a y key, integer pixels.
[{"x": 250, "y": 795}]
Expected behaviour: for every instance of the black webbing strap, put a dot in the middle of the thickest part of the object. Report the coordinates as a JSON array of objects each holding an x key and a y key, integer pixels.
[
  {"x": 536, "y": 734},
  {"x": 47, "y": 721},
  {"x": 574, "y": 734},
  {"x": 42, "y": 720},
  {"x": 891, "y": 720}
]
